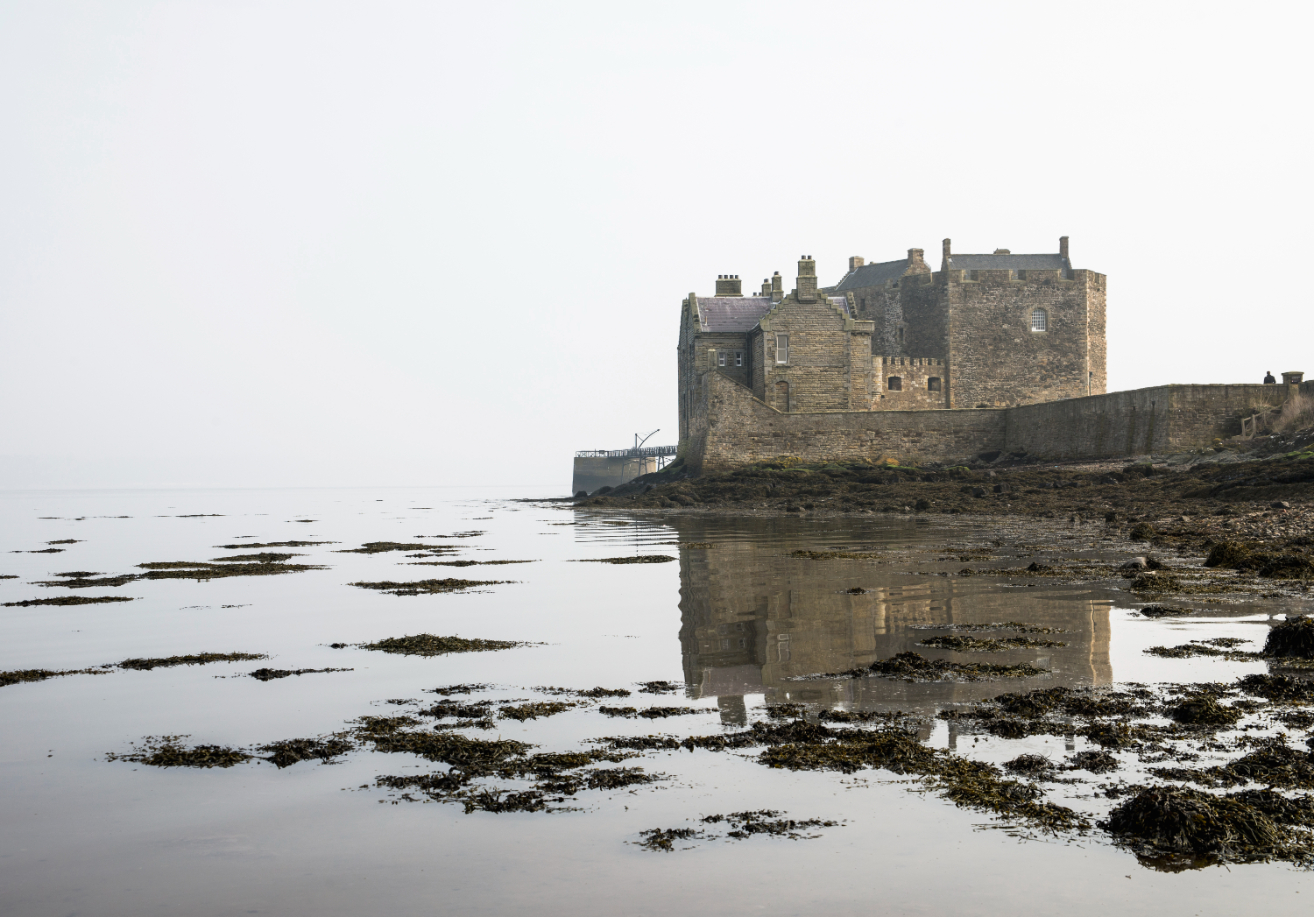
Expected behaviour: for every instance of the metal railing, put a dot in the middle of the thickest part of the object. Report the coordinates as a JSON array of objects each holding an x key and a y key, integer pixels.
[{"x": 640, "y": 452}]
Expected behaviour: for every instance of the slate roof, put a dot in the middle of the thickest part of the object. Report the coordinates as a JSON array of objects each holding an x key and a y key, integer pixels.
[
  {"x": 1054, "y": 262},
  {"x": 731, "y": 313},
  {"x": 872, "y": 275}
]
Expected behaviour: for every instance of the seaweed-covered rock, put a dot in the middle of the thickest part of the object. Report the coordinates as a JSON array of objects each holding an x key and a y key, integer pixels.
[
  {"x": 1142, "y": 531},
  {"x": 1204, "y": 710},
  {"x": 1179, "y": 820},
  {"x": 1293, "y": 637},
  {"x": 1231, "y": 554}
]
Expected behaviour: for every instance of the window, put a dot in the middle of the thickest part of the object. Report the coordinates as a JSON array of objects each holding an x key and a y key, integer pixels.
[
  {"x": 933, "y": 384},
  {"x": 782, "y": 348},
  {"x": 894, "y": 384},
  {"x": 739, "y": 358},
  {"x": 1039, "y": 320},
  {"x": 720, "y": 358}
]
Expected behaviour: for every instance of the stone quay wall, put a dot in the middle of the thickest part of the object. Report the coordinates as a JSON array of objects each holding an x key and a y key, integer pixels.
[{"x": 731, "y": 427}]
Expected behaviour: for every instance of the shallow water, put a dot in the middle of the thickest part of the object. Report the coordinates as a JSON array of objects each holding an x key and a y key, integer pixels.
[{"x": 739, "y": 625}]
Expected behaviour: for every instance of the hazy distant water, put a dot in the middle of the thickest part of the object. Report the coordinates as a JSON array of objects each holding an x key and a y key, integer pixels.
[{"x": 736, "y": 625}]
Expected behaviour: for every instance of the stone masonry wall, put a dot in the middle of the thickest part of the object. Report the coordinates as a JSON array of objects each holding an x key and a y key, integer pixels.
[
  {"x": 822, "y": 355},
  {"x": 914, "y": 375},
  {"x": 738, "y": 429},
  {"x": 925, "y": 318},
  {"x": 995, "y": 357},
  {"x": 730, "y": 427},
  {"x": 1167, "y": 418}
]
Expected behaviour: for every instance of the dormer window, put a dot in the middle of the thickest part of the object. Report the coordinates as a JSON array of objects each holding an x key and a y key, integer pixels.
[{"x": 1039, "y": 320}]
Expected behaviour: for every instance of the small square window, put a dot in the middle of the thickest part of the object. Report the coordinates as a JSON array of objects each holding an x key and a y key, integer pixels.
[
  {"x": 782, "y": 348},
  {"x": 933, "y": 384},
  {"x": 720, "y": 358},
  {"x": 1039, "y": 320}
]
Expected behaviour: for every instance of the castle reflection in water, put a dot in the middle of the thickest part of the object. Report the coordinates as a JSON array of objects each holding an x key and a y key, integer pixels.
[{"x": 755, "y": 620}]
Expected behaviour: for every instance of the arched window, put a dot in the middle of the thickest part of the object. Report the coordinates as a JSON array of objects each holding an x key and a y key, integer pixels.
[
  {"x": 1039, "y": 320},
  {"x": 894, "y": 384},
  {"x": 933, "y": 384}
]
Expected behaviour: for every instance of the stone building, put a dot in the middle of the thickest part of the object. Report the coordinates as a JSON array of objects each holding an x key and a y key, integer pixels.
[{"x": 993, "y": 330}]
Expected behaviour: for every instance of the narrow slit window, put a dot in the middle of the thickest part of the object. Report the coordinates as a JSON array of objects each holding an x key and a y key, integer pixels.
[
  {"x": 894, "y": 384},
  {"x": 1039, "y": 320},
  {"x": 782, "y": 348}
]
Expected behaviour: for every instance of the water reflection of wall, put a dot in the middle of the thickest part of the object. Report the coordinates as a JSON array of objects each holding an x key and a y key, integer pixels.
[{"x": 754, "y": 619}]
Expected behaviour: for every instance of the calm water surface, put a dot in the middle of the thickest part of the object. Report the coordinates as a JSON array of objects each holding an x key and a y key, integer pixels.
[{"x": 738, "y": 626}]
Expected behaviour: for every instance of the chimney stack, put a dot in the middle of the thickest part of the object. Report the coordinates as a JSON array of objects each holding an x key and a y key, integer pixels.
[
  {"x": 807, "y": 279},
  {"x": 1063, "y": 247},
  {"x": 777, "y": 287},
  {"x": 915, "y": 256},
  {"x": 729, "y": 285},
  {"x": 766, "y": 288},
  {"x": 945, "y": 256},
  {"x": 856, "y": 262}
]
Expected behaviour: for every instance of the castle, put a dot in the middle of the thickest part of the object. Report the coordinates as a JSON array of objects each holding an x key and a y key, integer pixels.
[
  {"x": 984, "y": 331},
  {"x": 997, "y": 353}
]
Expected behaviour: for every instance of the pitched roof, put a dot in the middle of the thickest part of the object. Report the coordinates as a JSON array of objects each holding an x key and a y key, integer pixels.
[
  {"x": 1052, "y": 262},
  {"x": 731, "y": 313},
  {"x": 872, "y": 275}
]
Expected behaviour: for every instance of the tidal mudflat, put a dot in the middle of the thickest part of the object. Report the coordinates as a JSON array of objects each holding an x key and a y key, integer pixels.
[{"x": 899, "y": 713}]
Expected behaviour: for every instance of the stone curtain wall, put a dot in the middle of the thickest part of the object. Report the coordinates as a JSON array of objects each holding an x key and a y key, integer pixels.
[
  {"x": 1168, "y": 418},
  {"x": 995, "y": 357},
  {"x": 738, "y": 429},
  {"x": 730, "y": 427}
]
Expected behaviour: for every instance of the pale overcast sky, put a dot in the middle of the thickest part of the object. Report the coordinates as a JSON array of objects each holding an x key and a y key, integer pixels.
[{"x": 276, "y": 243}]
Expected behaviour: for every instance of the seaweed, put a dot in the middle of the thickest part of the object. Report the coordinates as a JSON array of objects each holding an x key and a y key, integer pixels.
[
  {"x": 21, "y": 676},
  {"x": 587, "y": 692},
  {"x": 430, "y": 645},
  {"x": 287, "y": 752},
  {"x": 916, "y": 667},
  {"x": 271, "y": 674},
  {"x": 1282, "y": 688},
  {"x": 71, "y": 600},
  {"x": 989, "y": 645},
  {"x": 85, "y": 580},
  {"x": 145, "y": 665},
  {"x": 165, "y": 751},
  {"x": 1165, "y": 611},
  {"x": 449, "y": 690},
  {"x": 835, "y": 555},
  {"x": 636, "y": 559},
  {"x": 664, "y": 839},
  {"x": 427, "y": 586},
  {"x": 264, "y": 557},
  {"x": 652, "y": 713},
  {"x": 1097, "y": 762},
  {"x": 1037, "y": 767},
  {"x": 1204, "y": 710},
  {"x": 659, "y": 687},
  {"x": 1293, "y": 637},
  {"x": 272, "y": 544},
  {"x": 466, "y": 563},
  {"x": 1194, "y": 828},
  {"x": 532, "y": 711},
  {"x": 383, "y": 547},
  {"x": 199, "y": 570},
  {"x": 767, "y": 821}
]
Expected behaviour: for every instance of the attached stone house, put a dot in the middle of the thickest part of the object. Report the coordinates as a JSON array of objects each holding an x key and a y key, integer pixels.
[{"x": 993, "y": 330}]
